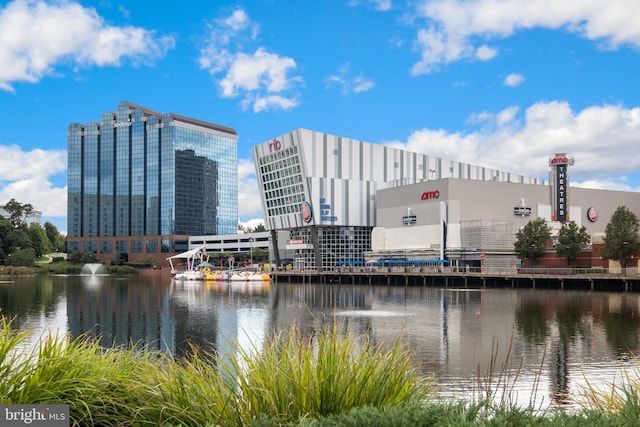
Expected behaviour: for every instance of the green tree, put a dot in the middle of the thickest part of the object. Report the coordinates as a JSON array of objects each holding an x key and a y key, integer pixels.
[
  {"x": 531, "y": 240},
  {"x": 260, "y": 255},
  {"x": 23, "y": 257},
  {"x": 571, "y": 240},
  {"x": 259, "y": 228},
  {"x": 39, "y": 240},
  {"x": 55, "y": 238},
  {"x": 5, "y": 229},
  {"x": 18, "y": 213},
  {"x": 621, "y": 235}
]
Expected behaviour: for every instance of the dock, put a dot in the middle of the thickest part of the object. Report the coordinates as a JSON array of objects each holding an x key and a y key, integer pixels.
[{"x": 532, "y": 278}]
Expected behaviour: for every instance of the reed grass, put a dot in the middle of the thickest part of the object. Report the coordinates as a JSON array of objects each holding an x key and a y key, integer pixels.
[
  {"x": 326, "y": 378},
  {"x": 297, "y": 375},
  {"x": 291, "y": 378},
  {"x": 621, "y": 398}
]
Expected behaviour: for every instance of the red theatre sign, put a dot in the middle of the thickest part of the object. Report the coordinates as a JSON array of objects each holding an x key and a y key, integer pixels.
[{"x": 428, "y": 195}]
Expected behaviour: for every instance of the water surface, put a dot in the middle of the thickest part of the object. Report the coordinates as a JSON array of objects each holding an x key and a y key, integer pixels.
[{"x": 533, "y": 347}]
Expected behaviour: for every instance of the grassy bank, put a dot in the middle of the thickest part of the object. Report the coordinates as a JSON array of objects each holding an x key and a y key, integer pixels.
[
  {"x": 63, "y": 268},
  {"x": 323, "y": 379}
]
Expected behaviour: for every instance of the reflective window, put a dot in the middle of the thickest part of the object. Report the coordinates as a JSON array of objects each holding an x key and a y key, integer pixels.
[{"x": 139, "y": 173}]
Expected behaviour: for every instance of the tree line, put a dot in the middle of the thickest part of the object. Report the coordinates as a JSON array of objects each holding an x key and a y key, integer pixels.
[
  {"x": 621, "y": 238},
  {"x": 23, "y": 243}
]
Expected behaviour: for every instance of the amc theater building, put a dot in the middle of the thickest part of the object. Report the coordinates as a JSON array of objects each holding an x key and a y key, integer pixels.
[
  {"x": 321, "y": 189},
  {"x": 474, "y": 223}
]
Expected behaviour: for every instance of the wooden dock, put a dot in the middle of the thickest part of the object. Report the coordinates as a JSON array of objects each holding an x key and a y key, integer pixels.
[{"x": 570, "y": 279}]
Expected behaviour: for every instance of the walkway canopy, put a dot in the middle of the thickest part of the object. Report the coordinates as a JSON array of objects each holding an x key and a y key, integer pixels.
[{"x": 190, "y": 256}]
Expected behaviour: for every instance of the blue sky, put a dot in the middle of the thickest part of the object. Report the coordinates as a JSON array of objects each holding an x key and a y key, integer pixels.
[{"x": 497, "y": 83}]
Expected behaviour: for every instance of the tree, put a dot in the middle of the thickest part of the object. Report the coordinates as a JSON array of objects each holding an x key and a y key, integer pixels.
[
  {"x": 532, "y": 239},
  {"x": 5, "y": 229},
  {"x": 259, "y": 228},
  {"x": 39, "y": 240},
  {"x": 55, "y": 238},
  {"x": 571, "y": 240},
  {"x": 621, "y": 235},
  {"x": 23, "y": 257},
  {"x": 18, "y": 213}
]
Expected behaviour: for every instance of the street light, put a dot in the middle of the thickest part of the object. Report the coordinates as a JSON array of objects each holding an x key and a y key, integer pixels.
[{"x": 251, "y": 251}]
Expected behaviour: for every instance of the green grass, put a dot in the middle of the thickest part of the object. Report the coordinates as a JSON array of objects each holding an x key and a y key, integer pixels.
[
  {"x": 294, "y": 377},
  {"x": 324, "y": 378}
]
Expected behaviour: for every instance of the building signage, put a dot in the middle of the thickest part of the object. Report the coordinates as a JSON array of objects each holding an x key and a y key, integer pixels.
[
  {"x": 428, "y": 195},
  {"x": 522, "y": 211},
  {"x": 122, "y": 124},
  {"x": 325, "y": 211},
  {"x": 296, "y": 242},
  {"x": 274, "y": 145},
  {"x": 560, "y": 161},
  {"x": 305, "y": 211},
  {"x": 560, "y": 199},
  {"x": 592, "y": 214},
  {"x": 561, "y": 192},
  {"x": 409, "y": 219}
]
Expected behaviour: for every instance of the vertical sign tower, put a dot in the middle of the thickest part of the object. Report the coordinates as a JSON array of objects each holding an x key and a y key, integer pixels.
[{"x": 559, "y": 180}]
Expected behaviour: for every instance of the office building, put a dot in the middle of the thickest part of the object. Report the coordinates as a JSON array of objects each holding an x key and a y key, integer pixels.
[
  {"x": 322, "y": 188},
  {"x": 35, "y": 217},
  {"x": 140, "y": 182}
]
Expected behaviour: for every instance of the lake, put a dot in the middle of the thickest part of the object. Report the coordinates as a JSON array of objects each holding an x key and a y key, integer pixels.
[{"x": 536, "y": 348}]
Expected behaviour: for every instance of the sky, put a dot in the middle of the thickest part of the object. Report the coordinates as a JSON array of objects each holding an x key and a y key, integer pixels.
[{"x": 503, "y": 84}]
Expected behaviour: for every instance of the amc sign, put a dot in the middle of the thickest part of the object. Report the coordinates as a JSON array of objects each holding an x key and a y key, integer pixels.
[
  {"x": 560, "y": 159},
  {"x": 429, "y": 195}
]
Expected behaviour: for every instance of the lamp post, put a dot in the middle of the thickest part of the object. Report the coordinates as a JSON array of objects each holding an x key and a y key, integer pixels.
[
  {"x": 251, "y": 250},
  {"x": 625, "y": 248}
]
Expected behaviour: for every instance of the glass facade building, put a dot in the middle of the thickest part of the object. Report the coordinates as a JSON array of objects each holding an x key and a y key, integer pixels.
[
  {"x": 321, "y": 189},
  {"x": 140, "y": 182}
]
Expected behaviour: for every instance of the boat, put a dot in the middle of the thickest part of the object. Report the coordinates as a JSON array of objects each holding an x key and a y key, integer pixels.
[
  {"x": 194, "y": 265},
  {"x": 189, "y": 275},
  {"x": 185, "y": 266},
  {"x": 249, "y": 276}
]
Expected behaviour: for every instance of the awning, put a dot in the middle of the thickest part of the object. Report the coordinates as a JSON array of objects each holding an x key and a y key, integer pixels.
[{"x": 190, "y": 253}]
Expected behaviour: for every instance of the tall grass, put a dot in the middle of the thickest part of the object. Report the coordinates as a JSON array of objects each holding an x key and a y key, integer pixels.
[
  {"x": 297, "y": 376},
  {"x": 617, "y": 398},
  {"x": 291, "y": 378}
]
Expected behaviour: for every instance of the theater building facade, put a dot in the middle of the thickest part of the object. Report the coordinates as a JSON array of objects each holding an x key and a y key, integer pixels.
[{"x": 322, "y": 189}]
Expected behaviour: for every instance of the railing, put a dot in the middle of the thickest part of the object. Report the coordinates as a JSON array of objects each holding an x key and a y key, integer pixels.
[{"x": 631, "y": 272}]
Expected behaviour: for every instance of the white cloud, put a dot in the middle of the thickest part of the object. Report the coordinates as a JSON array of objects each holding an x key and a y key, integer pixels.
[
  {"x": 382, "y": 5},
  {"x": 513, "y": 80},
  {"x": 485, "y": 53},
  {"x": 249, "y": 205},
  {"x": 349, "y": 84},
  {"x": 24, "y": 176},
  {"x": 262, "y": 70},
  {"x": 262, "y": 77},
  {"x": 378, "y": 5},
  {"x": 454, "y": 26},
  {"x": 597, "y": 137},
  {"x": 36, "y": 36},
  {"x": 273, "y": 102}
]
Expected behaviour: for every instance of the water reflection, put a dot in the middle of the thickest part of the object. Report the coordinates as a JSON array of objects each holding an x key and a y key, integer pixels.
[{"x": 542, "y": 343}]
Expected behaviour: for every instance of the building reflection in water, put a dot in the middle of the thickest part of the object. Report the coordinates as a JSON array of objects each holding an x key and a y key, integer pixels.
[{"x": 548, "y": 340}]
